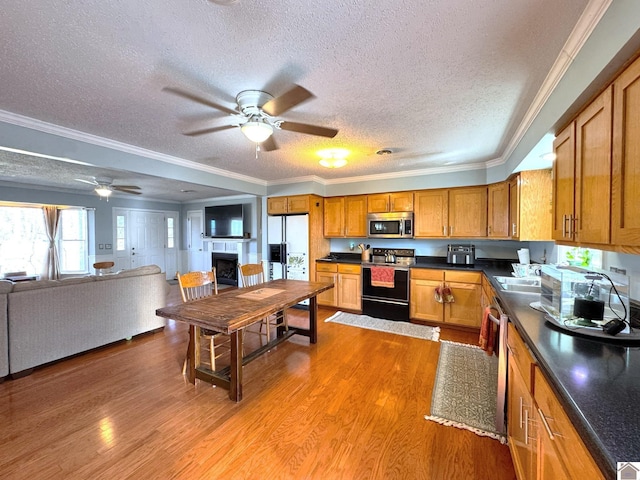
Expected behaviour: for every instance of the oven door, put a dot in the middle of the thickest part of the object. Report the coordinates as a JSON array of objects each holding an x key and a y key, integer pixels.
[{"x": 399, "y": 292}]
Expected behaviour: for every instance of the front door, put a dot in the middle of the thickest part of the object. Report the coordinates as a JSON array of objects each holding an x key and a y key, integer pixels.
[{"x": 147, "y": 239}]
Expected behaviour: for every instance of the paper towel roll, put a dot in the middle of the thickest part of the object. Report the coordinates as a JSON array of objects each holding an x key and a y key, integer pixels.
[{"x": 523, "y": 255}]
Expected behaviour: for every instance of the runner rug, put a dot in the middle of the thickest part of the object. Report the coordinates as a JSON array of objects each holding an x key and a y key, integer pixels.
[
  {"x": 465, "y": 389},
  {"x": 400, "y": 328}
]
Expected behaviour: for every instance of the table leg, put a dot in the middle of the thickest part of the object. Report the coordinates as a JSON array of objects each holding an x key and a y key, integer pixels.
[
  {"x": 235, "y": 389},
  {"x": 192, "y": 354},
  {"x": 313, "y": 319}
]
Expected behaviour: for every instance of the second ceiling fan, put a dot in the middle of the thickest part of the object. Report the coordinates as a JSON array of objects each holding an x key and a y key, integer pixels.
[{"x": 257, "y": 113}]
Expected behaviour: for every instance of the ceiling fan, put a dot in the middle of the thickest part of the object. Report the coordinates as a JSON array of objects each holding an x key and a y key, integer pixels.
[
  {"x": 104, "y": 187},
  {"x": 257, "y": 112}
]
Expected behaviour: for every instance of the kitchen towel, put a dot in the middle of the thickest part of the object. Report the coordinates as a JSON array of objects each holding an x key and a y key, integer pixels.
[
  {"x": 382, "y": 277},
  {"x": 487, "y": 339}
]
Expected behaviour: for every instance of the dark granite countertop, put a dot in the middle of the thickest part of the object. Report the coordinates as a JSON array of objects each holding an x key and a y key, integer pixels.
[{"x": 596, "y": 381}]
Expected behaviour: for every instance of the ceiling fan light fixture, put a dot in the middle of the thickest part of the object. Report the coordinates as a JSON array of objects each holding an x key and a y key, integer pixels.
[
  {"x": 257, "y": 130},
  {"x": 103, "y": 191}
]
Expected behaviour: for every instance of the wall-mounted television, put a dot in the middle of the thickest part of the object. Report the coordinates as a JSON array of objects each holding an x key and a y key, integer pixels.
[{"x": 224, "y": 221}]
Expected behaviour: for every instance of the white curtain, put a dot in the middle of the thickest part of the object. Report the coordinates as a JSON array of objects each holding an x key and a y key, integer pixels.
[{"x": 51, "y": 269}]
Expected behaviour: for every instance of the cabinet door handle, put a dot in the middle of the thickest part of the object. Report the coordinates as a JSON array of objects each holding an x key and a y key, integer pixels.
[
  {"x": 521, "y": 405},
  {"x": 451, "y": 230},
  {"x": 564, "y": 226},
  {"x": 526, "y": 426},
  {"x": 552, "y": 435},
  {"x": 444, "y": 231},
  {"x": 513, "y": 229}
]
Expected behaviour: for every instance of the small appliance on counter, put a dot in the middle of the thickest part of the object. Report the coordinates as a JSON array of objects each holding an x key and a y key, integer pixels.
[{"x": 461, "y": 254}]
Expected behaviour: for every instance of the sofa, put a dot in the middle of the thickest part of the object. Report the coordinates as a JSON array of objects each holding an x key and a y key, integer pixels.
[{"x": 47, "y": 320}]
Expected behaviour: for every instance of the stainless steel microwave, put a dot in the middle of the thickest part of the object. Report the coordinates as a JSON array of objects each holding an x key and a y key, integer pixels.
[{"x": 390, "y": 225}]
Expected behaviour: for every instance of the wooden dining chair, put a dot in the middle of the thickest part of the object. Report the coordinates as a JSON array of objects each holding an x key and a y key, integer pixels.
[
  {"x": 252, "y": 274},
  {"x": 197, "y": 285},
  {"x": 103, "y": 267}
]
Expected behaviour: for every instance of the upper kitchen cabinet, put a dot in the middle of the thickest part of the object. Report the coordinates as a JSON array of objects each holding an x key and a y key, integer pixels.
[
  {"x": 498, "y": 210},
  {"x": 334, "y": 217},
  {"x": 290, "y": 205},
  {"x": 582, "y": 176},
  {"x": 625, "y": 221},
  {"x": 390, "y": 202},
  {"x": 431, "y": 215},
  {"x": 345, "y": 216},
  {"x": 530, "y": 205},
  {"x": 451, "y": 213},
  {"x": 468, "y": 212}
]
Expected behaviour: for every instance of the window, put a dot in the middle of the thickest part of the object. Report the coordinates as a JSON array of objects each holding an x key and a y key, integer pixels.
[
  {"x": 24, "y": 244},
  {"x": 170, "y": 233},
  {"x": 72, "y": 241},
  {"x": 121, "y": 234}
]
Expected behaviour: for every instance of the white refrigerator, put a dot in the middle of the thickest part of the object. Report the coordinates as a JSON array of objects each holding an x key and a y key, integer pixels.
[{"x": 288, "y": 247}]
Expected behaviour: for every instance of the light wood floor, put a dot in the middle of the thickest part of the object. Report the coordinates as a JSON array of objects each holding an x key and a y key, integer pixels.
[{"x": 349, "y": 407}]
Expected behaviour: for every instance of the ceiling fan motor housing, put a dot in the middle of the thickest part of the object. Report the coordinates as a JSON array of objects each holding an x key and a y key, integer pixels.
[{"x": 250, "y": 102}]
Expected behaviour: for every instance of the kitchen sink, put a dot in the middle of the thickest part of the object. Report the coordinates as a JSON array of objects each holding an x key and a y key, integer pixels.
[{"x": 519, "y": 284}]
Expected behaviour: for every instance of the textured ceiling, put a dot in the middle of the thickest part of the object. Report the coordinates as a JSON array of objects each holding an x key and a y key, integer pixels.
[{"x": 439, "y": 82}]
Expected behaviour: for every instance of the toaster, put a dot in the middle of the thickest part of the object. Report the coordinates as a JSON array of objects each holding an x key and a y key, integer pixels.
[{"x": 461, "y": 254}]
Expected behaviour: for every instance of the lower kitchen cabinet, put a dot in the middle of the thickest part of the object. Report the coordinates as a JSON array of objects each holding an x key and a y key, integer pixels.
[
  {"x": 543, "y": 443},
  {"x": 520, "y": 408},
  {"x": 347, "y": 278},
  {"x": 465, "y": 287},
  {"x": 561, "y": 453}
]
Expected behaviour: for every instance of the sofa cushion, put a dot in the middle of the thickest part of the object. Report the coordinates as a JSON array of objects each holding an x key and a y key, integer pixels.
[
  {"x": 36, "y": 284},
  {"x": 6, "y": 286}
]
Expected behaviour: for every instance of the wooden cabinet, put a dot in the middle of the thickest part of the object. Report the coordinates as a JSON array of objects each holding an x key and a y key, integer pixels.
[
  {"x": 468, "y": 212},
  {"x": 520, "y": 408},
  {"x": 291, "y": 204},
  {"x": 422, "y": 303},
  {"x": 347, "y": 278},
  {"x": 582, "y": 176},
  {"x": 345, "y": 216},
  {"x": 465, "y": 287},
  {"x": 349, "y": 286},
  {"x": 355, "y": 216},
  {"x": 431, "y": 213},
  {"x": 451, "y": 213},
  {"x": 530, "y": 205},
  {"x": 328, "y": 273},
  {"x": 625, "y": 221},
  {"x": 390, "y": 202},
  {"x": 334, "y": 217},
  {"x": 561, "y": 453},
  {"x": 498, "y": 210}
]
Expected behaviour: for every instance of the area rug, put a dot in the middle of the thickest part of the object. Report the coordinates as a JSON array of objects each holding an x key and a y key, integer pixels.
[
  {"x": 400, "y": 328},
  {"x": 465, "y": 390}
]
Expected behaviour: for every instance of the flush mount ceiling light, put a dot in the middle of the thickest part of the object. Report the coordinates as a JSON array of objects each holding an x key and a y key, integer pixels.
[
  {"x": 333, "y": 157},
  {"x": 257, "y": 129}
]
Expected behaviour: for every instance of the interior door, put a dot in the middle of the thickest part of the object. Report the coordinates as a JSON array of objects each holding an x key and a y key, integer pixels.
[{"x": 195, "y": 246}]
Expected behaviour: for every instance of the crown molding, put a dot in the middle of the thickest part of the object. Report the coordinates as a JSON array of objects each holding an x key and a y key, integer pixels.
[
  {"x": 587, "y": 22},
  {"x": 34, "y": 124}
]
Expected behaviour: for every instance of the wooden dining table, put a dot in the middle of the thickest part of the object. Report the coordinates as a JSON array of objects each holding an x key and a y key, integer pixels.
[{"x": 231, "y": 312}]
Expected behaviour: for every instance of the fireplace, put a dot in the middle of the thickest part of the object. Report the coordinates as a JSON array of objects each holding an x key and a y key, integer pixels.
[{"x": 226, "y": 265}]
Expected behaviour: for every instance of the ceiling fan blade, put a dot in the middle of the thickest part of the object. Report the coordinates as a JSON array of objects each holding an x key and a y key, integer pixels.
[
  {"x": 94, "y": 183},
  {"x": 309, "y": 129},
  {"x": 269, "y": 145},
  {"x": 209, "y": 130},
  {"x": 126, "y": 187},
  {"x": 126, "y": 190},
  {"x": 287, "y": 100},
  {"x": 203, "y": 101}
]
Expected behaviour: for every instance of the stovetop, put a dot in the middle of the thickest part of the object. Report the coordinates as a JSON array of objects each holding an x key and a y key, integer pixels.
[{"x": 404, "y": 256}]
